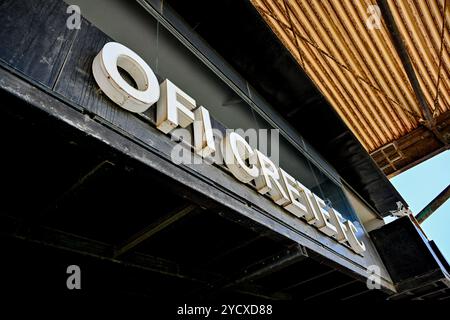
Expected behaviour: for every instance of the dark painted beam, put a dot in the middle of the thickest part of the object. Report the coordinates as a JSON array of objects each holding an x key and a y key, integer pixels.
[
  {"x": 153, "y": 229},
  {"x": 261, "y": 292},
  {"x": 101, "y": 168},
  {"x": 270, "y": 265},
  {"x": 242, "y": 280},
  {"x": 335, "y": 288},
  {"x": 50, "y": 237},
  {"x": 303, "y": 281},
  {"x": 232, "y": 250}
]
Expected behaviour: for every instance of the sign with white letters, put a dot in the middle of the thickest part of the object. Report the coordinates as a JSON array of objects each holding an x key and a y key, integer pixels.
[{"x": 177, "y": 109}]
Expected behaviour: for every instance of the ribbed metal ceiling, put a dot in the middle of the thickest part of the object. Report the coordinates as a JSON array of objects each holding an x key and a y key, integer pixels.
[{"x": 357, "y": 68}]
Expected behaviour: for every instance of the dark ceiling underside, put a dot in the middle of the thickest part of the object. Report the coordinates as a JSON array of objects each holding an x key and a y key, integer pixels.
[{"x": 240, "y": 35}]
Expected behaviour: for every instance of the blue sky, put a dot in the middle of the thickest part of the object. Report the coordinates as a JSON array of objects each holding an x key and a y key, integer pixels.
[{"x": 419, "y": 186}]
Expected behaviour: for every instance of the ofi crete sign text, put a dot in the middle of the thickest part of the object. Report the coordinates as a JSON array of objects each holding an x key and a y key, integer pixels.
[{"x": 176, "y": 109}]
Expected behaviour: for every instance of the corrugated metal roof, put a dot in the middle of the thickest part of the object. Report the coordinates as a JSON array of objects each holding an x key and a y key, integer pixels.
[{"x": 357, "y": 68}]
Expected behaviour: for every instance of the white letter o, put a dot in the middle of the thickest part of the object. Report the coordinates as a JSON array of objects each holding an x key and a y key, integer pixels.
[{"x": 107, "y": 76}]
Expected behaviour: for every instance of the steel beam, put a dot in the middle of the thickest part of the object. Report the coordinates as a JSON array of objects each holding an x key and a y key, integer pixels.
[
  {"x": 400, "y": 47},
  {"x": 103, "y": 166},
  {"x": 440, "y": 199},
  {"x": 307, "y": 280},
  {"x": 270, "y": 265},
  {"x": 53, "y": 238},
  {"x": 153, "y": 229}
]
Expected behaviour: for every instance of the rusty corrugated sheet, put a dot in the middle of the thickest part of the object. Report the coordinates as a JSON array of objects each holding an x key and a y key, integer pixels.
[{"x": 357, "y": 67}]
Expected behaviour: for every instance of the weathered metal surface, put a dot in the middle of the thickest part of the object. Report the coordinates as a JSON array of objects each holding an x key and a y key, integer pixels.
[
  {"x": 41, "y": 49},
  {"x": 354, "y": 62}
]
